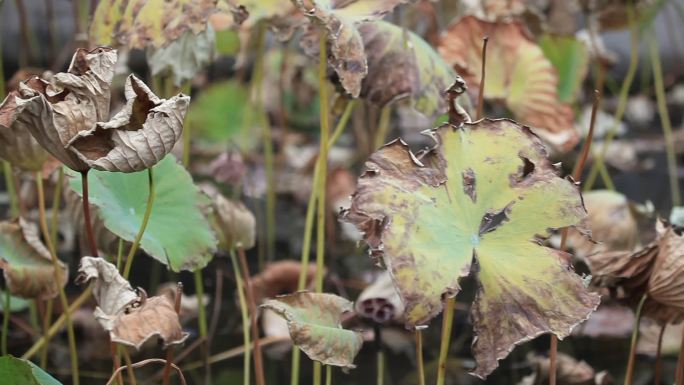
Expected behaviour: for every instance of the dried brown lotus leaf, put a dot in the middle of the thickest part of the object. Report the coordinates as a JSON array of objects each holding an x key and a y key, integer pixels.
[
  {"x": 112, "y": 292},
  {"x": 17, "y": 146},
  {"x": 155, "y": 317},
  {"x": 26, "y": 262},
  {"x": 666, "y": 284},
  {"x": 56, "y": 112},
  {"x": 570, "y": 372},
  {"x": 279, "y": 278},
  {"x": 137, "y": 137},
  {"x": 236, "y": 224}
]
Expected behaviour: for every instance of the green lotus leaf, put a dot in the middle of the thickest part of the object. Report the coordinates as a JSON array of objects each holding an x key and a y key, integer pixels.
[
  {"x": 177, "y": 234},
  {"x": 341, "y": 20},
  {"x": 15, "y": 371},
  {"x": 143, "y": 23},
  {"x": 314, "y": 323},
  {"x": 571, "y": 59},
  {"x": 403, "y": 65},
  {"x": 26, "y": 262},
  {"x": 475, "y": 204}
]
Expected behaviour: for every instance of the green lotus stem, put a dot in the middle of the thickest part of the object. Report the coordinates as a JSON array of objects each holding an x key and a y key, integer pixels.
[
  {"x": 328, "y": 375},
  {"x": 129, "y": 364},
  {"x": 251, "y": 302},
  {"x": 6, "y": 314},
  {"x": 633, "y": 344},
  {"x": 143, "y": 226},
  {"x": 665, "y": 119},
  {"x": 599, "y": 161},
  {"x": 58, "y": 278},
  {"x": 447, "y": 321},
  {"x": 380, "y": 361},
  {"x": 245, "y": 317},
  {"x": 322, "y": 161},
  {"x": 316, "y": 373},
  {"x": 47, "y": 317},
  {"x": 119, "y": 254},
  {"x": 383, "y": 126},
  {"x": 11, "y": 189},
  {"x": 201, "y": 315},
  {"x": 419, "y": 357},
  {"x": 56, "y": 202},
  {"x": 57, "y": 325}
]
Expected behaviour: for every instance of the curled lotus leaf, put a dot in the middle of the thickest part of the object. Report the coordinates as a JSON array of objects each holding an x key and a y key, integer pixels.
[
  {"x": 475, "y": 204},
  {"x": 403, "y": 65},
  {"x": 234, "y": 222},
  {"x": 26, "y": 262},
  {"x": 143, "y": 23},
  {"x": 131, "y": 319},
  {"x": 520, "y": 75},
  {"x": 666, "y": 283},
  {"x": 17, "y": 146},
  {"x": 314, "y": 323},
  {"x": 54, "y": 113},
  {"x": 341, "y": 19},
  {"x": 138, "y": 136}
]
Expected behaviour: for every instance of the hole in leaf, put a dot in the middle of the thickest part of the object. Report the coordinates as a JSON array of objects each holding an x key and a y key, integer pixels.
[{"x": 492, "y": 220}]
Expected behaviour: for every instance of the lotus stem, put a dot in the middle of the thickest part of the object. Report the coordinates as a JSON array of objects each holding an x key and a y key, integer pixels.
[
  {"x": 249, "y": 290},
  {"x": 202, "y": 316},
  {"x": 58, "y": 278},
  {"x": 56, "y": 202},
  {"x": 151, "y": 361},
  {"x": 5, "y": 321},
  {"x": 245, "y": 317},
  {"x": 119, "y": 254},
  {"x": 322, "y": 161},
  {"x": 480, "y": 96},
  {"x": 419, "y": 356},
  {"x": 664, "y": 119},
  {"x": 59, "y": 322},
  {"x": 553, "y": 353},
  {"x": 380, "y": 357},
  {"x": 328, "y": 375},
  {"x": 143, "y": 225},
  {"x": 187, "y": 130},
  {"x": 383, "y": 126},
  {"x": 658, "y": 361},
  {"x": 308, "y": 226},
  {"x": 11, "y": 189},
  {"x": 47, "y": 317},
  {"x": 633, "y": 343},
  {"x": 599, "y": 163},
  {"x": 116, "y": 362},
  {"x": 169, "y": 350},
  {"x": 447, "y": 322},
  {"x": 129, "y": 365},
  {"x": 86, "y": 215}
]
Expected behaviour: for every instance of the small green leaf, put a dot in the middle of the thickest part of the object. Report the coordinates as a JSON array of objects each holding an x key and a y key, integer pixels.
[
  {"x": 177, "y": 234},
  {"x": 220, "y": 115},
  {"x": 571, "y": 59},
  {"x": 15, "y": 371},
  {"x": 475, "y": 204},
  {"x": 314, "y": 323}
]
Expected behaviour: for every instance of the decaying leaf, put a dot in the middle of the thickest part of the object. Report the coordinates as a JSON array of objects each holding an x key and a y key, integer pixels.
[
  {"x": 178, "y": 233},
  {"x": 17, "y": 145},
  {"x": 611, "y": 222},
  {"x": 314, "y": 323},
  {"x": 26, "y": 262},
  {"x": 402, "y": 65},
  {"x": 380, "y": 302},
  {"x": 476, "y": 202},
  {"x": 16, "y": 371},
  {"x": 234, "y": 222},
  {"x": 143, "y": 23},
  {"x": 280, "y": 277},
  {"x": 570, "y": 372},
  {"x": 185, "y": 56},
  {"x": 131, "y": 319},
  {"x": 655, "y": 270},
  {"x": 138, "y": 136},
  {"x": 519, "y": 75},
  {"x": 75, "y": 101},
  {"x": 341, "y": 20}
]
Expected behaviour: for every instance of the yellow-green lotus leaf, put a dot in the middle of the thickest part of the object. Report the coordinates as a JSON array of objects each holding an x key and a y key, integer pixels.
[
  {"x": 314, "y": 323},
  {"x": 341, "y": 18},
  {"x": 143, "y": 23},
  {"x": 477, "y": 204},
  {"x": 517, "y": 74}
]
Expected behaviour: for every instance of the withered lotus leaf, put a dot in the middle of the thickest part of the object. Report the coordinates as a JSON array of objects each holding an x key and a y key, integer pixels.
[
  {"x": 341, "y": 19},
  {"x": 138, "y": 136},
  {"x": 314, "y": 323},
  {"x": 475, "y": 203},
  {"x": 402, "y": 65},
  {"x": 131, "y": 319},
  {"x": 519, "y": 75},
  {"x": 26, "y": 262},
  {"x": 143, "y": 23},
  {"x": 234, "y": 223},
  {"x": 56, "y": 112},
  {"x": 280, "y": 277},
  {"x": 666, "y": 283},
  {"x": 17, "y": 146}
]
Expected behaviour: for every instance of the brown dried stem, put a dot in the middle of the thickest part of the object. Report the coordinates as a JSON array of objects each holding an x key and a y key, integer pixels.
[
  {"x": 480, "y": 96},
  {"x": 258, "y": 358},
  {"x": 169, "y": 350},
  {"x": 86, "y": 215}
]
